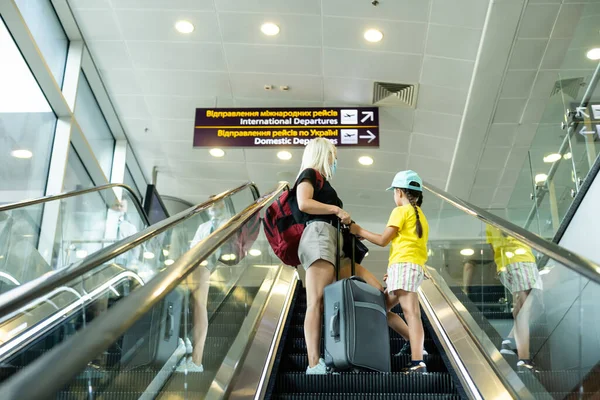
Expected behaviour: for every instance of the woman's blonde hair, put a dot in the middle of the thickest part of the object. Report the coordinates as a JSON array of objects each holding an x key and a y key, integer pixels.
[{"x": 317, "y": 155}]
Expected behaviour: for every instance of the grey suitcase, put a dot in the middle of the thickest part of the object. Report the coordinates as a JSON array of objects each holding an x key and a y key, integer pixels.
[{"x": 356, "y": 329}]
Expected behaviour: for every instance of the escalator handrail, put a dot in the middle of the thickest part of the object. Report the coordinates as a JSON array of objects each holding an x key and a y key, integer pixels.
[
  {"x": 56, "y": 368},
  {"x": 573, "y": 261},
  {"x": 13, "y": 300},
  {"x": 74, "y": 193}
]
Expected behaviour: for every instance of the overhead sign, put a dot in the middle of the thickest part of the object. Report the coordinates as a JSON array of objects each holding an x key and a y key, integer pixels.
[
  {"x": 589, "y": 122},
  {"x": 268, "y": 127}
]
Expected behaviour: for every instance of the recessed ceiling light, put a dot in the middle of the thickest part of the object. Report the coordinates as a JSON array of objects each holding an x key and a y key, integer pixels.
[
  {"x": 81, "y": 253},
  {"x": 217, "y": 152},
  {"x": 269, "y": 29},
  {"x": 255, "y": 252},
  {"x": 567, "y": 156},
  {"x": 509, "y": 254},
  {"x": 284, "y": 155},
  {"x": 467, "y": 252},
  {"x": 228, "y": 257},
  {"x": 184, "y": 26},
  {"x": 373, "y": 35},
  {"x": 204, "y": 263},
  {"x": 165, "y": 252},
  {"x": 520, "y": 251},
  {"x": 540, "y": 178},
  {"x": 550, "y": 158},
  {"x": 544, "y": 271},
  {"x": 594, "y": 54},
  {"x": 169, "y": 261},
  {"x": 365, "y": 160},
  {"x": 22, "y": 153},
  {"x": 148, "y": 255}
]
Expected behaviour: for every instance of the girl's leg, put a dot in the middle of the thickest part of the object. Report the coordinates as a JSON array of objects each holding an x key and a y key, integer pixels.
[
  {"x": 521, "y": 314},
  {"x": 409, "y": 301},
  {"x": 394, "y": 320},
  {"x": 318, "y": 275}
]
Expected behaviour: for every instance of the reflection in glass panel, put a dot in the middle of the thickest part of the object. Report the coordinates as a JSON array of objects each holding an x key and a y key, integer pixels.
[
  {"x": 42, "y": 21},
  {"x": 94, "y": 126},
  {"x": 27, "y": 126},
  {"x": 128, "y": 180}
]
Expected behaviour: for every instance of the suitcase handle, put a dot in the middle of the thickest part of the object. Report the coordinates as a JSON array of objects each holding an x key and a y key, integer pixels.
[
  {"x": 358, "y": 279},
  {"x": 170, "y": 323},
  {"x": 334, "y": 322}
]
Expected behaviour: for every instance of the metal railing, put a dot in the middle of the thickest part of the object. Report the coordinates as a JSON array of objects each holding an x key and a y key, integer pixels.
[
  {"x": 569, "y": 259},
  {"x": 52, "y": 371},
  {"x": 74, "y": 193},
  {"x": 19, "y": 297}
]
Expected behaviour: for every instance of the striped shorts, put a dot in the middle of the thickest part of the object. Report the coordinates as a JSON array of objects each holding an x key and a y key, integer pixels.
[
  {"x": 521, "y": 276},
  {"x": 405, "y": 276}
]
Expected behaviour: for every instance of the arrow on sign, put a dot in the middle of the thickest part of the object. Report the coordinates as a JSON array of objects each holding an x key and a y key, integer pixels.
[
  {"x": 370, "y": 136},
  {"x": 368, "y": 115},
  {"x": 581, "y": 111},
  {"x": 584, "y": 131}
]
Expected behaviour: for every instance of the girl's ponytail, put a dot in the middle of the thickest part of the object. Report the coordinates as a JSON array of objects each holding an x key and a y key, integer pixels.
[{"x": 416, "y": 199}]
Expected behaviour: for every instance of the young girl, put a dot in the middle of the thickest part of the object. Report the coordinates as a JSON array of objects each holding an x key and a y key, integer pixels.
[{"x": 408, "y": 231}]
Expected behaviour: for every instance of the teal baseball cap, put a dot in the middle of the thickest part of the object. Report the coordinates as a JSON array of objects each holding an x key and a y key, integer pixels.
[{"x": 403, "y": 180}]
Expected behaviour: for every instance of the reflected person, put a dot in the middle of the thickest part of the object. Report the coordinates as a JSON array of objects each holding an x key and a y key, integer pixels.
[
  {"x": 198, "y": 282},
  {"x": 517, "y": 270}
]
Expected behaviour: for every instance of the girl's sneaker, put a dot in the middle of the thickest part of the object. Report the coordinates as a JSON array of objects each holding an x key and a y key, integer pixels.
[
  {"x": 526, "y": 366},
  {"x": 319, "y": 369},
  {"x": 405, "y": 351},
  {"x": 419, "y": 368},
  {"x": 189, "y": 349},
  {"x": 188, "y": 366}
]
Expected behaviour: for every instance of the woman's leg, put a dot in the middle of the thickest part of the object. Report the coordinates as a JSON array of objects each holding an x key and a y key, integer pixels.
[
  {"x": 199, "y": 294},
  {"x": 394, "y": 320},
  {"x": 409, "y": 301},
  {"x": 320, "y": 274}
]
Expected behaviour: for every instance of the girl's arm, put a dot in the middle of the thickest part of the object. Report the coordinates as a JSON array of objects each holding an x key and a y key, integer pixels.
[
  {"x": 378, "y": 239},
  {"x": 308, "y": 205}
]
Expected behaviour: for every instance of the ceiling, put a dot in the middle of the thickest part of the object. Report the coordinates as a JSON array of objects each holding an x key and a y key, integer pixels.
[{"x": 485, "y": 70}]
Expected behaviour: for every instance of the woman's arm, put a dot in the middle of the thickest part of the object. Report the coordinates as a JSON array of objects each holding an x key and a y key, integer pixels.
[
  {"x": 378, "y": 239},
  {"x": 308, "y": 205}
]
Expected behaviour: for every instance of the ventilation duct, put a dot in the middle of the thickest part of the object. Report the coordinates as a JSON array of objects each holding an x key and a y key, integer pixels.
[
  {"x": 569, "y": 87},
  {"x": 395, "y": 94}
]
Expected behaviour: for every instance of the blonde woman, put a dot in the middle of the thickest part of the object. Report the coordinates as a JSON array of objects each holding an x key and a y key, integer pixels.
[{"x": 320, "y": 210}]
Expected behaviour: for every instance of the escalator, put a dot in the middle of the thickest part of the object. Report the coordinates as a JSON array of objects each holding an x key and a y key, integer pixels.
[
  {"x": 291, "y": 382},
  {"x": 250, "y": 326}
]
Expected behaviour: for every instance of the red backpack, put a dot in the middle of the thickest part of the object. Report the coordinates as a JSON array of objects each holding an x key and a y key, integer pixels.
[{"x": 282, "y": 229}]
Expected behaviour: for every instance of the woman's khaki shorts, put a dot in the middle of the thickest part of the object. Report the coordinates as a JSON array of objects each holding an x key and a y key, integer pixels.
[{"x": 319, "y": 242}]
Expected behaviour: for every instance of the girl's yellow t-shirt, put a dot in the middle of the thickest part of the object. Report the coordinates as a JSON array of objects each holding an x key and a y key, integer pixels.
[{"x": 406, "y": 246}]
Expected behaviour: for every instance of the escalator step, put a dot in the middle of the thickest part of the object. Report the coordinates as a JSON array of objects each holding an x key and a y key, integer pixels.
[
  {"x": 299, "y": 382},
  {"x": 299, "y": 362},
  {"x": 298, "y": 345},
  {"x": 366, "y": 396}
]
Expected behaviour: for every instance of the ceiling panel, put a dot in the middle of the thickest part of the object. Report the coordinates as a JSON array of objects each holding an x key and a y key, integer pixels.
[
  {"x": 177, "y": 107},
  {"x": 509, "y": 177},
  {"x": 99, "y": 24},
  {"x": 297, "y": 30},
  {"x": 383, "y": 161},
  {"x": 502, "y": 134},
  {"x": 396, "y": 119},
  {"x": 494, "y": 157},
  {"x": 555, "y": 53},
  {"x": 300, "y": 87},
  {"x": 121, "y": 81},
  {"x": 110, "y": 55},
  {"x": 184, "y": 83},
  {"x": 487, "y": 177},
  {"x": 518, "y": 84},
  {"x": 538, "y": 20},
  {"x": 429, "y": 168},
  {"x": 453, "y": 42},
  {"x": 527, "y": 53},
  {"x": 270, "y": 6},
  {"x": 174, "y": 129},
  {"x": 129, "y": 106},
  {"x": 139, "y": 24},
  {"x": 391, "y": 67},
  {"x": 347, "y": 33},
  {"x": 441, "y": 99},
  {"x": 463, "y": 13},
  {"x": 567, "y": 21},
  {"x": 509, "y": 110},
  {"x": 177, "y": 56},
  {"x": 436, "y": 124},
  {"x": 445, "y": 72},
  {"x": 348, "y": 90},
  {"x": 273, "y": 59},
  {"x": 407, "y": 10},
  {"x": 162, "y": 5},
  {"x": 432, "y": 146},
  {"x": 395, "y": 141}
]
